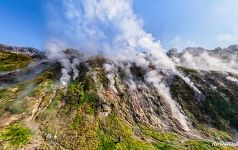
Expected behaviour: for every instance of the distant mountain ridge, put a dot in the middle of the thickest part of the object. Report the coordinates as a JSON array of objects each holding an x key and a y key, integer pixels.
[
  {"x": 232, "y": 49},
  {"x": 23, "y": 50}
]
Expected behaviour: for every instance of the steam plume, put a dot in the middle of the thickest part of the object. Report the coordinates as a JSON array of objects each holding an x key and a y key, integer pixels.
[
  {"x": 55, "y": 51},
  {"x": 204, "y": 61},
  {"x": 111, "y": 28},
  {"x": 232, "y": 79},
  {"x": 156, "y": 79}
]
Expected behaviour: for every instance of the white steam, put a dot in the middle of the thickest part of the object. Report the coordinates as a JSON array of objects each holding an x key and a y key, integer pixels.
[
  {"x": 198, "y": 94},
  {"x": 65, "y": 71},
  {"x": 156, "y": 79},
  {"x": 232, "y": 79},
  {"x": 111, "y": 74},
  {"x": 75, "y": 70},
  {"x": 110, "y": 27},
  {"x": 55, "y": 51},
  {"x": 204, "y": 61}
]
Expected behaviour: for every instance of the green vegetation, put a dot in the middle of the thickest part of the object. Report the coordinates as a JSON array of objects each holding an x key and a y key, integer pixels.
[
  {"x": 72, "y": 114},
  {"x": 16, "y": 135},
  {"x": 53, "y": 73},
  {"x": 86, "y": 130},
  {"x": 162, "y": 146},
  {"x": 41, "y": 88},
  {"x": 102, "y": 75},
  {"x": 106, "y": 142},
  {"x": 71, "y": 119},
  {"x": 215, "y": 106},
  {"x": 48, "y": 75},
  {"x": 15, "y": 107},
  {"x": 188, "y": 71},
  {"x": 173, "y": 141},
  {"x": 200, "y": 145},
  {"x": 12, "y": 99},
  {"x": 11, "y": 61},
  {"x": 163, "y": 140},
  {"x": 80, "y": 93},
  {"x": 161, "y": 136},
  {"x": 115, "y": 133},
  {"x": 5, "y": 93},
  {"x": 218, "y": 106},
  {"x": 215, "y": 133},
  {"x": 5, "y": 97},
  {"x": 185, "y": 96},
  {"x": 77, "y": 121}
]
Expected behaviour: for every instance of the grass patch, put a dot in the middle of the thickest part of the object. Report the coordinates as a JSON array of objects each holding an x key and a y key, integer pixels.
[
  {"x": 5, "y": 97},
  {"x": 200, "y": 145},
  {"x": 80, "y": 93},
  {"x": 215, "y": 133},
  {"x": 163, "y": 146},
  {"x": 77, "y": 121},
  {"x": 15, "y": 107},
  {"x": 48, "y": 75},
  {"x": 12, "y": 61},
  {"x": 164, "y": 140},
  {"x": 115, "y": 133},
  {"x": 42, "y": 86},
  {"x": 106, "y": 141},
  {"x": 5, "y": 93},
  {"x": 16, "y": 135},
  {"x": 161, "y": 136}
]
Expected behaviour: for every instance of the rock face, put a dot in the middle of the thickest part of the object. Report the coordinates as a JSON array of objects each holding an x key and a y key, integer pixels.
[{"x": 106, "y": 109}]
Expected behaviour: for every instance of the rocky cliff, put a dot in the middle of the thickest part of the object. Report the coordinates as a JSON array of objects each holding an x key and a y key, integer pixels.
[{"x": 107, "y": 108}]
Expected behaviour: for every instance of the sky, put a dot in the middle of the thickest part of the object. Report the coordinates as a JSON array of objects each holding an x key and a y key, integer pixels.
[{"x": 176, "y": 23}]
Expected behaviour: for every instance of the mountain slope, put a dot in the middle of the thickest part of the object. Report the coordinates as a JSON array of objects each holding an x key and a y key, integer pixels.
[{"x": 105, "y": 109}]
